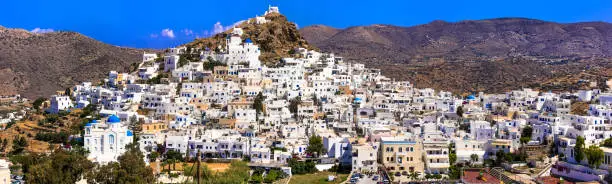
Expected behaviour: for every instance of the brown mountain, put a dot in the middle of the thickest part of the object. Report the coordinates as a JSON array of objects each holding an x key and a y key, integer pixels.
[
  {"x": 37, "y": 65},
  {"x": 276, "y": 38},
  {"x": 493, "y": 55}
]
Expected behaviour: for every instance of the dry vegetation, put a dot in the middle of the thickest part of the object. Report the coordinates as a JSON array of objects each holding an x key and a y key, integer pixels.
[
  {"x": 37, "y": 65},
  {"x": 216, "y": 167},
  {"x": 493, "y": 55},
  {"x": 29, "y": 127},
  {"x": 580, "y": 108},
  {"x": 276, "y": 38}
]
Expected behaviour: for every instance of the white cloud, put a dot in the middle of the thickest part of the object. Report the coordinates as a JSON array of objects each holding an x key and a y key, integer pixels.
[
  {"x": 167, "y": 33},
  {"x": 40, "y": 30},
  {"x": 187, "y": 31},
  {"x": 218, "y": 27}
]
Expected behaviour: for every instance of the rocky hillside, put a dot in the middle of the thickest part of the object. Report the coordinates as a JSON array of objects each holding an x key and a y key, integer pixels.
[
  {"x": 37, "y": 65},
  {"x": 467, "y": 55},
  {"x": 276, "y": 38}
]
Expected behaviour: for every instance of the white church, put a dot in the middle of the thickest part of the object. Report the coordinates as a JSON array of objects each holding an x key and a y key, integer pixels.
[
  {"x": 106, "y": 141},
  {"x": 239, "y": 52}
]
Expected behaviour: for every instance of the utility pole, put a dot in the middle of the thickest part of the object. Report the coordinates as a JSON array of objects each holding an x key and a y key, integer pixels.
[{"x": 197, "y": 175}]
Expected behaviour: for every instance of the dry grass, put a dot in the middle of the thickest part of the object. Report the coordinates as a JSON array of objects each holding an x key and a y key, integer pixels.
[
  {"x": 29, "y": 128},
  {"x": 580, "y": 108},
  {"x": 215, "y": 167},
  {"x": 319, "y": 178}
]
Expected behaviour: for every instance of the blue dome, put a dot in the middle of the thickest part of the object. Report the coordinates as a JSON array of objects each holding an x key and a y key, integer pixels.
[
  {"x": 248, "y": 40},
  {"x": 129, "y": 133},
  {"x": 113, "y": 119},
  {"x": 88, "y": 124},
  {"x": 471, "y": 97}
]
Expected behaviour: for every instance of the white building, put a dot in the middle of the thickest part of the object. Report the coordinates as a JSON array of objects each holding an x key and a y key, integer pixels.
[
  {"x": 106, "y": 141},
  {"x": 149, "y": 57},
  {"x": 5, "y": 172},
  {"x": 364, "y": 158},
  {"x": 60, "y": 103},
  {"x": 171, "y": 62}
]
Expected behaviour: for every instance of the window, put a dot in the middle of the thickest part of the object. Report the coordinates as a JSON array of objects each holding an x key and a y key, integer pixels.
[{"x": 111, "y": 139}]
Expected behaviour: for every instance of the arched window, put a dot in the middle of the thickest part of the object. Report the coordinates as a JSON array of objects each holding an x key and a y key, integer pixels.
[{"x": 111, "y": 139}]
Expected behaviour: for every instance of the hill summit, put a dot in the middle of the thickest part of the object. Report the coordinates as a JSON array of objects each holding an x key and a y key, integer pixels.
[{"x": 275, "y": 35}]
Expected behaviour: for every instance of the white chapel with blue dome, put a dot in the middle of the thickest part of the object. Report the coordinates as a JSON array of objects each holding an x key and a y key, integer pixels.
[{"x": 106, "y": 141}]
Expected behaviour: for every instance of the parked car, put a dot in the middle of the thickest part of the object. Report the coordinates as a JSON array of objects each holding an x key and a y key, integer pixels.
[
  {"x": 386, "y": 181},
  {"x": 375, "y": 178}
]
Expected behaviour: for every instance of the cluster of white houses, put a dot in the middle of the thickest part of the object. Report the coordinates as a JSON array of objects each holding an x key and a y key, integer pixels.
[{"x": 366, "y": 120}]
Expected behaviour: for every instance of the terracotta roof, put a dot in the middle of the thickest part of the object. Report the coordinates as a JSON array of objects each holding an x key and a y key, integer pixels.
[{"x": 471, "y": 176}]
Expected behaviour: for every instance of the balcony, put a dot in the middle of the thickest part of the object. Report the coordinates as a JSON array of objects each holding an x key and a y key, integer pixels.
[
  {"x": 435, "y": 156},
  {"x": 438, "y": 165}
]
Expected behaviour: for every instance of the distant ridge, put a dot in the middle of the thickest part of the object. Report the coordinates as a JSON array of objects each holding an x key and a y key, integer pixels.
[
  {"x": 441, "y": 54},
  {"x": 37, "y": 65}
]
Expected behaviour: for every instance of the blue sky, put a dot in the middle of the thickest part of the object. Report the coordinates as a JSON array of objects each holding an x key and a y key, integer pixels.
[{"x": 140, "y": 23}]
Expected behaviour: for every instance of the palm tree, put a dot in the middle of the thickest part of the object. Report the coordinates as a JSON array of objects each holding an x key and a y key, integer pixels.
[
  {"x": 163, "y": 164},
  {"x": 413, "y": 175}
]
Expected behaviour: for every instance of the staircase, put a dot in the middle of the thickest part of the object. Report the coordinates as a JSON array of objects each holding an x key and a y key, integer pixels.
[{"x": 498, "y": 173}]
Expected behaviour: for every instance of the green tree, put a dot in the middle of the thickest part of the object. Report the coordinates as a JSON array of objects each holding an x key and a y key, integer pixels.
[
  {"x": 579, "y": 149},
  {"x": 274, "y": 175},
  {"x": 413, "y": 175},
  {"x": 315, "y": 146},
  {"x": 38, "y": 102},
  {"x": 460, "y": 111},
  {"x": 452, "y": 157},
  {"x": 428, "y": 176},
  {"x": 68, "y": 92},
  {"x": 474, "y": 158},
  {"x": 294, "y": 103},
  {"x": 607, "y": 143},
  {"x": 437, "y": 176},
  {"x": 238, "y": 172},
  {"x": 131, "y": 168},
  {"x": 594, "y": 155},
  {"x": 205, "y": 173},
  {"x": 526, "y": 134},
  {"x": 174, "y": 155},
  {"x": 602, "y": 84},
  {"x": 301, "y": 167},
  {"x": 59, "y": 167},
  {"x": 500, "y": 156},
  {"x": 153, "y": 156},
  {"x": 257, "y": 177},
  {"x": 19, "y": 144},
  {"x": 258, "y": 104}
]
